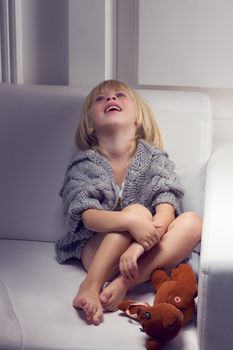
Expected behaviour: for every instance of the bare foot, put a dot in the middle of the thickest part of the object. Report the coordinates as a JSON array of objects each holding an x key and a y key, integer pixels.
[
  {"x": 88, "y": 299},
  {"x": 114, "y": 293}
]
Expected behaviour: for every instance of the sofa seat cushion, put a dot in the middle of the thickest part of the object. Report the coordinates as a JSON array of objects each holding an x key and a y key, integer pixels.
[
  {"x": 10, "y": 330},
  {"x": 41, "y": 293}
]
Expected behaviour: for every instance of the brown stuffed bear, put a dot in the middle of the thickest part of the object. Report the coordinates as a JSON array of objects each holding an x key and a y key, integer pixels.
[{"x": 172, "y": 308}]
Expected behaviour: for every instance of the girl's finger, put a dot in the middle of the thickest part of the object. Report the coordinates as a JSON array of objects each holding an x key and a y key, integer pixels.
[{"x": 145, "y": 245}]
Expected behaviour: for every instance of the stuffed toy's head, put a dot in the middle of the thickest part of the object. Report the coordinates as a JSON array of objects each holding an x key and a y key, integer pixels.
[{"x": 161, "y": 322}]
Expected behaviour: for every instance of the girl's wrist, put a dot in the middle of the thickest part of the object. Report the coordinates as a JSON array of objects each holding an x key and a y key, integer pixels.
[
  {"x": 165, "y": 213},
  {"x": 127, "y": 219},
  {"x": 165, "y": 208}
]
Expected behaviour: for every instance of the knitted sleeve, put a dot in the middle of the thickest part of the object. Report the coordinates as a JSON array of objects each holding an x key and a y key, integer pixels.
[
  {"x": 83, "y": 189},
  {"x": 165, "y": 183},
  {"x": 87, "y": 185}
]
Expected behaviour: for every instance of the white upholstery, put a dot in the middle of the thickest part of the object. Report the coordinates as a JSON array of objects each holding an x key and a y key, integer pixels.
[
  {"x": 185, "y": 120},
  {"x": 215, "y": 317},
  {"x": 37, "y": 125},
  {"x": 36, "y": 140}
]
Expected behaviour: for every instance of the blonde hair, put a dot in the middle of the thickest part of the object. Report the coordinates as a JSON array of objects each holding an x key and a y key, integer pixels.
[{"x": 147, "y": 130}]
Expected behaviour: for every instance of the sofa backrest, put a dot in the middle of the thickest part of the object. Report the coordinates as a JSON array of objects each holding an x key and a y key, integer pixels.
[
  {"x": 185, "y": 120},
  {"x": 37, "y": 126}
]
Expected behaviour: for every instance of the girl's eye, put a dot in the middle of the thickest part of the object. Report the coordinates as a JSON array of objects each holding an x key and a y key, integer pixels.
[
  {"x": 99, "y": 98},
  {"x": 121, "y": 94}
]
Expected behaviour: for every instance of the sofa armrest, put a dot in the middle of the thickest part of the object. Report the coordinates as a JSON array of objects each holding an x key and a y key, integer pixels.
[{"x": 215, "y": 308}]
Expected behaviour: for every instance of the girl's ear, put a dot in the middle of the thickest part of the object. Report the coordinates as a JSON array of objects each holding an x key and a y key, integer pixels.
[{"x": 90, "y": 130}]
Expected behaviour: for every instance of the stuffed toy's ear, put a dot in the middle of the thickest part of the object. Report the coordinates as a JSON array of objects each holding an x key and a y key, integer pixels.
[
  {"x": 185, "y": 275},
  {"x": 169, "y": 320},
  {"x": 131, "y": 307},
  {"x": 158, "y": 277}
]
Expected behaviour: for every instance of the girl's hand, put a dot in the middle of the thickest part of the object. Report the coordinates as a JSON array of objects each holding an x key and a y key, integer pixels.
[
  {"x": 128, "y": 261},
  {"x": 144, "y": 231},
  {"x": 141, "y": 226}
]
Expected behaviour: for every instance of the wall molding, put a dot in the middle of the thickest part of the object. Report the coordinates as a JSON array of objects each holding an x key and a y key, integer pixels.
[
  {"x": 127, "y": 41},
  {"x": 17, "y": 40},
  {"x": 11, "y": 41},
  {"x": 110, "y": 38},
  {"x": 4, "y": 37}
]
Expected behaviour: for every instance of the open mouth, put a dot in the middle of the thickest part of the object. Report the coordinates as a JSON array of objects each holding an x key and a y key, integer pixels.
[{"x": 112, "y": 108}]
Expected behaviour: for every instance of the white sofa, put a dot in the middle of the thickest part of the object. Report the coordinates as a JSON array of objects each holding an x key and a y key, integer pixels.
[{"x": 37, "y": 125}]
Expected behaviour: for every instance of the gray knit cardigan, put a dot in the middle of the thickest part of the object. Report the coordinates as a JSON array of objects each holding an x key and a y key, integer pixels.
[{"x": 90, "y": 183}]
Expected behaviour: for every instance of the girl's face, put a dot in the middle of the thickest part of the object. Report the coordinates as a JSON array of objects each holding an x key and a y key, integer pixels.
[{"x": 111, "y": 109}]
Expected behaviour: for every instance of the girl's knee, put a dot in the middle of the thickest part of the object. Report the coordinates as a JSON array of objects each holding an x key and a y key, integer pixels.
[
  {"x": 138, "y": 209},
  {"x": 192, "y": 223}
]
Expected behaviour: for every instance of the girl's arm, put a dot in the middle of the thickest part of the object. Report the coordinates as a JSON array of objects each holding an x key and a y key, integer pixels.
[
  {"x": 165, "y": 214},
  {"x": 141, "y": 228},
  {"x": 104, "y": 221},
  {"x": 165, "y": 183}
]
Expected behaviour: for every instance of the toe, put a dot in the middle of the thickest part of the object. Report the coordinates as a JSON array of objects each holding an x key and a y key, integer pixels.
[
  {"x": 90, "y": 309},
  {"x": 98, "y": 317},
  {"x": 110, "y": 306},
  {"x": 79, "y": 303},
  {"x": 105, "y": 297}
]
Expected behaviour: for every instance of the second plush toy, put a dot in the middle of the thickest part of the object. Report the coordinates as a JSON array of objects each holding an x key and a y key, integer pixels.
[{"x": 173, "y": 305}]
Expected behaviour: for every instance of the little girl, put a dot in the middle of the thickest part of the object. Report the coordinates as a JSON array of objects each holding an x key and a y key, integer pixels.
[{"x": 122, "y": 201}]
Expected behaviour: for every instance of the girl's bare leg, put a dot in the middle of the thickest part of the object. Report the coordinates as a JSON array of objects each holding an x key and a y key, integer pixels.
[
  {"x": 100, "y": 257},
  {"x": 183, "y": 235}
]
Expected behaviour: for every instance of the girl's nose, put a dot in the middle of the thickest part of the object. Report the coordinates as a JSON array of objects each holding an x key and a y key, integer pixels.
[{"x": 109, "y": 98}]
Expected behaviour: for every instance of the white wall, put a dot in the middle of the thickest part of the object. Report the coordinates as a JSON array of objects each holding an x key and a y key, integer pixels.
[
  {"x": 86, "y": 42},
  {"x": 178, "y": 44},
  {"x": 190, "y": 47},
  {"x": 191, "y": 43}
]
